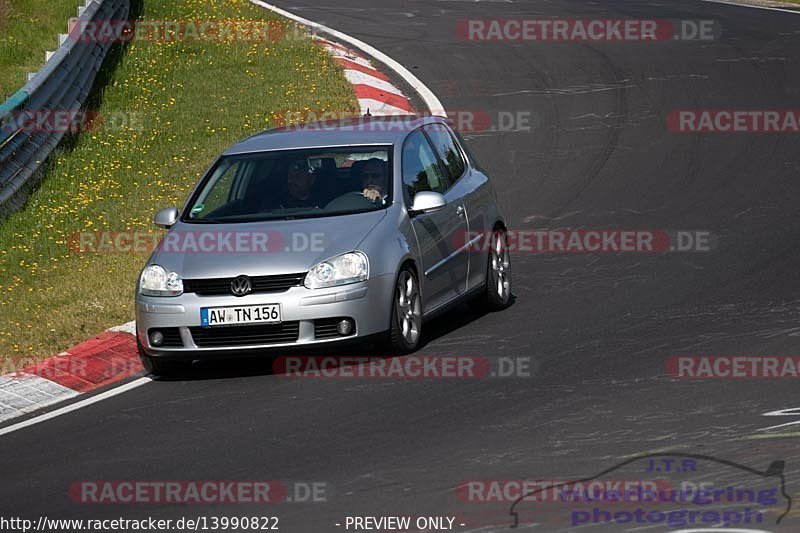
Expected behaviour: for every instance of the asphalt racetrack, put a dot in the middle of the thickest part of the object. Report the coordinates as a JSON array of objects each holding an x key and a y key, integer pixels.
[{"x": 598, "y": 329}]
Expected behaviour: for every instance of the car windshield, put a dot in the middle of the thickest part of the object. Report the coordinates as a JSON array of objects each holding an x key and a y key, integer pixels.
[{"x": 293, "y": 184}]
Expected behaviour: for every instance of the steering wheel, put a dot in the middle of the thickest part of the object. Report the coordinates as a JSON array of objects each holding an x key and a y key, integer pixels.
[{"x": 350, "y": 200}]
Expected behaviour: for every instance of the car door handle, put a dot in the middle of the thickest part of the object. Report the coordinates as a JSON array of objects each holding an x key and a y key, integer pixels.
[{"x": 460, "y": 210}]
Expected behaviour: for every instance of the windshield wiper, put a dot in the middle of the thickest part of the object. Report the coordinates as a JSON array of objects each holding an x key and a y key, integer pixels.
[{"x": 203, "y": 221}]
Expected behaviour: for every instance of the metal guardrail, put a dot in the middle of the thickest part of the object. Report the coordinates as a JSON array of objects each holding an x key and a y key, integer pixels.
[{"x": 62, "y": 84}]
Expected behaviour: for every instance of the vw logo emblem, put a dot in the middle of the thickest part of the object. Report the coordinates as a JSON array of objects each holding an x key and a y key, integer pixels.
[{"x": 241, "y": 286}]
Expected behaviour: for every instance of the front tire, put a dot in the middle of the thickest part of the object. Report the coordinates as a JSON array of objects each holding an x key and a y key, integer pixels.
[
  {"x": 497, "y": 293},
  {"x": 405, "y": 332}
]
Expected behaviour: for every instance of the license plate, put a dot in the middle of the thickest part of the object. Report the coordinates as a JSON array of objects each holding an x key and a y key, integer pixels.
[{"x": 249, "y": 314}]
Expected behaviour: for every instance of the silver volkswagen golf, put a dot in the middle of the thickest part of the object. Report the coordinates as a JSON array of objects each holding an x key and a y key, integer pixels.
[{"x": 320, "y": 234}]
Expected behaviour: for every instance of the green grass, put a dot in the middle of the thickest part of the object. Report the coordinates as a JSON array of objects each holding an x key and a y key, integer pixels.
[
  {"x": 28, "y": 28},
  {"x": 190, "y": 100}
]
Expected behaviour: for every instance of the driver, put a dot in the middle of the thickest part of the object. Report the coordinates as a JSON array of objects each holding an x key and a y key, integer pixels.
[
  {"x": 373, "y": 180},
  {"x": 300, "y": 180}
]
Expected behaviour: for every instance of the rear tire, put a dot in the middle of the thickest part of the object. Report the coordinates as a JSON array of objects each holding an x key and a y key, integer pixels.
[
  {"x": 160, "y": 366},
  {"x": 496, "y": 294},
  {"x": 405, "y": 331}
]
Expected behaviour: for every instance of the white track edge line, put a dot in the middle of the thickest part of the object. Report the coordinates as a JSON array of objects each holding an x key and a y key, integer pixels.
[
  {"x": 766, "y": 8},
  {"x": 430, "y": 99},
  {"x": 127, "y": 327},
  {"x": 75, "y": 406}
]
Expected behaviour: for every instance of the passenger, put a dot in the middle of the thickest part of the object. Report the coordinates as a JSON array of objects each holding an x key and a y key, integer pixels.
[{"x": 300, "y": 180}]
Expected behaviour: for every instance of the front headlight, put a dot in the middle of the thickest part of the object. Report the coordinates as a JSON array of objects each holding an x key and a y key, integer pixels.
[
  {"x": 156, "y": 281},
  {"x": 351, "y": 267}
]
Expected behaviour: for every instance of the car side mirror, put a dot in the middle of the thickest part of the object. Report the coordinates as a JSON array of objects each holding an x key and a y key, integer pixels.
[
  {"x": 427, "y": 202},
  {"x": 166, "y": 218}
]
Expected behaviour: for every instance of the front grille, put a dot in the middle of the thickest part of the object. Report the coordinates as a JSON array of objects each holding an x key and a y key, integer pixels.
[
  {"x": 246, "y": 335},
  {"x": 172, "y": 337},
  {"x": 261, "y": 284},
  {"x": 325, "y": 328}
]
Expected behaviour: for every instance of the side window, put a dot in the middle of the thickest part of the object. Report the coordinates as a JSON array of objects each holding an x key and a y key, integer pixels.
[
  {"x": 447, "y": 150},
  {"x": 421, "y": 170}
]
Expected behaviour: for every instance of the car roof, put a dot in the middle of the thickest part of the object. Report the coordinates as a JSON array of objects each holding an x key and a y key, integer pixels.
[{"x": 354, "y": 131}]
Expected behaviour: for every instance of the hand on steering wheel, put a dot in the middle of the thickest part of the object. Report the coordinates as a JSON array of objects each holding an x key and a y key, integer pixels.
[{"x": 373, "y": 195}]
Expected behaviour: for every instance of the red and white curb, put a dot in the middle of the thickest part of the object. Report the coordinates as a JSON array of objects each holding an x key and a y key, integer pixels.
[
  {"x": 359, "y": 58},
  {"x": 112, "y": 356},
  {"x": 374, "y": 91},
  {"x": 98, "y": 362}
]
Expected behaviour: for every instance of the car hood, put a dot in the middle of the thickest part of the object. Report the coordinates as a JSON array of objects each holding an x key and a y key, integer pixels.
[{"x": 260, "y": 248}]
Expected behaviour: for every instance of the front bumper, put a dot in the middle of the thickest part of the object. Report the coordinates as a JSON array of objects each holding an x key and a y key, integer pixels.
[{"x": 368, "y": 304}]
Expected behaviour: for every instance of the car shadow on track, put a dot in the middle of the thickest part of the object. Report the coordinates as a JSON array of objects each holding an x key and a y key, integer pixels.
[{"x": 268, "y": 363}]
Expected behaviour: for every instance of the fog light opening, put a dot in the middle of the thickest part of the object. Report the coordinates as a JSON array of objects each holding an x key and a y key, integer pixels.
[
  {"x": 156, "y": 338},
  {"x": 344, "y": 327}
]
